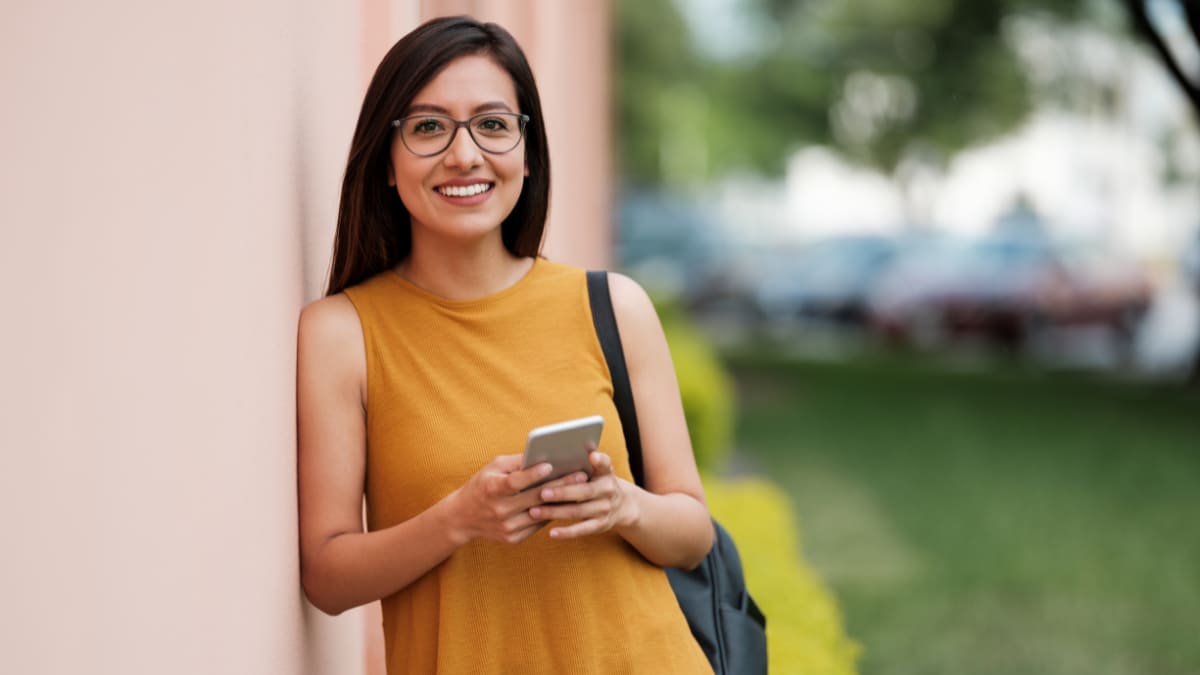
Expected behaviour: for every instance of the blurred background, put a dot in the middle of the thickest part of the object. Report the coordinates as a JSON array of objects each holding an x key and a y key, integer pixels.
[{"x": 946, "y": 255}]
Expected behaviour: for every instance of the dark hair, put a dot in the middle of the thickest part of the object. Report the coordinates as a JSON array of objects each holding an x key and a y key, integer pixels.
[{"x": 374, "y": 232}]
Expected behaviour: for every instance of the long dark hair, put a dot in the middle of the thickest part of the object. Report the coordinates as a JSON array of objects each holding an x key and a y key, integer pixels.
[{"x": 374, "y": 231}]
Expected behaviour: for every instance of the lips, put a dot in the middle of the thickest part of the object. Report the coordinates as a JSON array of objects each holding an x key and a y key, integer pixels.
[{"x": 464, "y": 190}]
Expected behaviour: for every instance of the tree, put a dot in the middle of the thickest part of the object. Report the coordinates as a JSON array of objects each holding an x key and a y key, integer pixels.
[
  {"x": 879, "y": 79},
  {"x": 1139, "y": 14}
]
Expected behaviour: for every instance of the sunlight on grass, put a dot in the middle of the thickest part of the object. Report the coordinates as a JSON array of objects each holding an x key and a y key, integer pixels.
[{"x": 989, "y": 522}]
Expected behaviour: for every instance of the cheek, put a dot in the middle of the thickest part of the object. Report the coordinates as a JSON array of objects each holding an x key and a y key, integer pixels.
[
  {"x": 517, "y": 167},
  {"x": 409, "y": 196},
  {"x": 406, "y": 181}
]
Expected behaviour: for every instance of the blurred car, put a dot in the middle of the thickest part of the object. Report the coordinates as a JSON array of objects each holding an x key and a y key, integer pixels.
[
  {"x": 1190, "y": 262},
  {"x": 830, "y": 280},
  {"x": 671, "y": 245},
  {"x": 1006, "y": 288}
]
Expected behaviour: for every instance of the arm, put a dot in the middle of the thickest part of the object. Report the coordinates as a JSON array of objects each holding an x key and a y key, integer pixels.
[
  {"x": 341, "y": 565},
  {"x": 668, "y": 520}
]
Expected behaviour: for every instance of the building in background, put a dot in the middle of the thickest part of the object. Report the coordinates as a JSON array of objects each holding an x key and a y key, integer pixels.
[{"x": 170, "y": 176}]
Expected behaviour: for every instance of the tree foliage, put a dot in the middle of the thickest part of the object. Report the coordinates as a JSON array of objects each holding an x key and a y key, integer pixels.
[{"x": 879, "y": 79}]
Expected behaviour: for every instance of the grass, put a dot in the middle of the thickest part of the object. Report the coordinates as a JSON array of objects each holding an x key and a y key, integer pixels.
[{"x": 989, "y": 522}]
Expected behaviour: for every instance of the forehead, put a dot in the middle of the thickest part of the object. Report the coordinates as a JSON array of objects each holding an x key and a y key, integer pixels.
[{"x": 467, "y": 82}]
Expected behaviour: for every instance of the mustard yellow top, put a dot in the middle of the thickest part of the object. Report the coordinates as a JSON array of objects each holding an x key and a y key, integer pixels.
[{"x": 452, "y": 384}]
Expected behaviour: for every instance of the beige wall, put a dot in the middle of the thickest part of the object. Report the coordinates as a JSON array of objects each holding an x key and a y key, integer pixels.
[{"x": 169, "y": 175}]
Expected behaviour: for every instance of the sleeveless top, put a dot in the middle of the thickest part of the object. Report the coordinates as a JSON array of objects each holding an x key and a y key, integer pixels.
[{"x": 452, "y": 384}]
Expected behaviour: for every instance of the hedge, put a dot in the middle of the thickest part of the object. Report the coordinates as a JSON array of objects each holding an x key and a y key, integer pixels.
[
  {"x": 805, "y": 630},
  {"x": 706, "y": 389}
]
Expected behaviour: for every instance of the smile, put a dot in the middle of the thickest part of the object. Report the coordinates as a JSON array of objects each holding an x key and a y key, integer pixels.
[{"x": 463, "y": 190}]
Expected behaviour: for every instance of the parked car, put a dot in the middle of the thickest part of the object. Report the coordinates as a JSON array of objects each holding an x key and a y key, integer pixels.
[
  {"x": 829, "y": 280},
  {"x": 1190, "y": 262},
  {"x": 1006, "y": 288},
  {"x": 671, "y": 245}
]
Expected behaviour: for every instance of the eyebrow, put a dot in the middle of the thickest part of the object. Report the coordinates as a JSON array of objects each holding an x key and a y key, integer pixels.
[{"x": 437, "y": 109}]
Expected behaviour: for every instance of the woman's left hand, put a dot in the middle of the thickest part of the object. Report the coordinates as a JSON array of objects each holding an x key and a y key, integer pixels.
[{"x": 600, "y": 504}]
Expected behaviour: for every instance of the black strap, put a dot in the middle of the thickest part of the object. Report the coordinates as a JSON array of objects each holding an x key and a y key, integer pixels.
[{"x": 610, "y": 342}]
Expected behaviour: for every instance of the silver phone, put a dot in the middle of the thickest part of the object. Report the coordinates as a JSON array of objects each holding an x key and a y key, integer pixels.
[{"x": 564, "y": 445}]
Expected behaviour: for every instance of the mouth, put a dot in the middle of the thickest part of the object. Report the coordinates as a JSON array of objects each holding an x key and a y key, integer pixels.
[{"x": 464, "y": 190}]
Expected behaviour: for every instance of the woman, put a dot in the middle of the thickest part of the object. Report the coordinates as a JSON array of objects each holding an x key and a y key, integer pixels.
[{"x": 443, "y": 339}]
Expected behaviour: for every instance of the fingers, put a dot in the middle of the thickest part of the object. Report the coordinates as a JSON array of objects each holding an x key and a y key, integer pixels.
[
  {"x": 595, "y": 508},
  {"x": 520, "y": 527},
  {"x": 528, "y": 498},
  {"x": 600, "y": 486},
  {"x": 569, "y": 479},
  {"x": 581, "y": 529},
  {"x": 601, "y": 463},
  {"x": 520, "y": 535},
  {"x": 517, "y": 512},
  {"x": 521, "y": 479}
]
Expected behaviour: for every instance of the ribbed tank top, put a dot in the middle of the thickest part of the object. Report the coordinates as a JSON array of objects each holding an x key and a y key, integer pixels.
[{"x": 452, "y": 384}]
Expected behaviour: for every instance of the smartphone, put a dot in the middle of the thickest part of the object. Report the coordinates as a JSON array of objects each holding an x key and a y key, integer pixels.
[{"x": 564, "y": 445}]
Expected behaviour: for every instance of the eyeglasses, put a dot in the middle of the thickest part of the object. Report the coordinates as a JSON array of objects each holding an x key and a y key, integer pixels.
[{"x": 429, "y": 135}]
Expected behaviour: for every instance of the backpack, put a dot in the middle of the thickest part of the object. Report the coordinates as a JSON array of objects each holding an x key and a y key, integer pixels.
[{"x": 722, "y": 616}]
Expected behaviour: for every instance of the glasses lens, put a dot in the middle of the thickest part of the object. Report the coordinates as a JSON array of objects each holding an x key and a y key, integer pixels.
[
  {"x": 427, "y": 134},
  {"x": 496, "y": 133}
]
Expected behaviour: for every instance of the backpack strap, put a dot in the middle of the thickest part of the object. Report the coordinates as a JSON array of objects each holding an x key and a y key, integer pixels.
[
  {"x": 610, "y": 343},
  {"x": 741, "y": 647}
]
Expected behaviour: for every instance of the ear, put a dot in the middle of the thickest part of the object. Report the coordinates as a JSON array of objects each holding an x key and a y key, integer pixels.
[{"x": 391, "y": 175}]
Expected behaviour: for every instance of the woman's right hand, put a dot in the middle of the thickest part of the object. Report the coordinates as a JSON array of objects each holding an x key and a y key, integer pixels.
[{"x": 494, "y": 503}]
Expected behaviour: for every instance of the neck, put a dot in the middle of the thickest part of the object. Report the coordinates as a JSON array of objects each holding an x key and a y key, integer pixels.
[{"x": 455, "y": 271}]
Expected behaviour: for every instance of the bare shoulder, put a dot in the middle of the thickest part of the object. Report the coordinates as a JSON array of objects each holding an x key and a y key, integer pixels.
[
  {"x": 331, "y": 320},
  {"x": 631, "y": 304},
  {"x": 330, "y": 346}
]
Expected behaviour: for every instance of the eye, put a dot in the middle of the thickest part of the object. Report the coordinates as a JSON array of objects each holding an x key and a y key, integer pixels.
[
  {"x": 426, "y": 126},
  {"x": 492, "y": 124}
]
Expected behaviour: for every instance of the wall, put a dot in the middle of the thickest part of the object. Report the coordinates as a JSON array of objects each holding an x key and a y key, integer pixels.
[{"x": 170, "y": 175}]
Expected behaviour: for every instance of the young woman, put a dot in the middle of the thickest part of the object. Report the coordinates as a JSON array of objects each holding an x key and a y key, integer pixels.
[{"x": 443, "y": 339}]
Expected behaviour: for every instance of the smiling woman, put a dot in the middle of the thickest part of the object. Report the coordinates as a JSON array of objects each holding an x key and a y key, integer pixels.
[
  {"x": 443, "y": 340},
  {"x": 453, "y": 186}
]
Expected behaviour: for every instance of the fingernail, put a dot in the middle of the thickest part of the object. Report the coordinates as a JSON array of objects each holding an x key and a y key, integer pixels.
[
  {"x": 535, "y": 512},
  {"x": 547, "y": 494},
  {"x": 555, "y": 534},
  {"x": 546, "y": 469}
]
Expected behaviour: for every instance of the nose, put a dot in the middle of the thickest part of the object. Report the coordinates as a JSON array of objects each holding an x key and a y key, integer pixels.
[{"x": 462, "y": 153}]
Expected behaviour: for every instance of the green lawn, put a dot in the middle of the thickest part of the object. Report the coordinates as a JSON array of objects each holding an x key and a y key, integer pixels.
[{"x": 990, "y": 522}]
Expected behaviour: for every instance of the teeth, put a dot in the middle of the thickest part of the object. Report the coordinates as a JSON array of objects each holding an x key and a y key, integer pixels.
[{"x": 464, "y": 190}]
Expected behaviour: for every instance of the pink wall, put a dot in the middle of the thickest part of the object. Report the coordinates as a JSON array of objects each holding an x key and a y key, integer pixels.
[{"x": 170, "y": 177}]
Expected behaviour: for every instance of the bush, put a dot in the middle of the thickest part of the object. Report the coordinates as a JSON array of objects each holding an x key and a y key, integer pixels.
[
  {"x": 805, "y": 633},
  {"x": 706, "y": 389}
]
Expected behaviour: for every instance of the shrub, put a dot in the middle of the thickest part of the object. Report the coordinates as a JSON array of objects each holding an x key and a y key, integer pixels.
[
  {"x": 706, "y": 389},
  {"x": 805, "y": 632}
]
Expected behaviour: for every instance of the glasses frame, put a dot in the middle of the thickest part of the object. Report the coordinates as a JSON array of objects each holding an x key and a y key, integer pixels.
[{"x": 522, "y": 120}]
